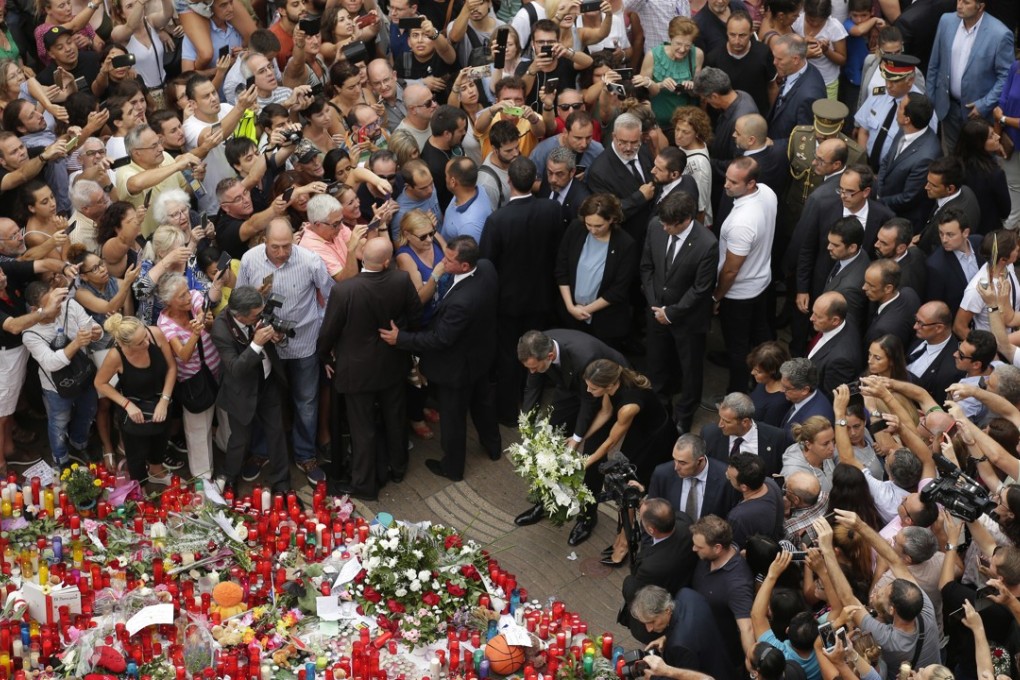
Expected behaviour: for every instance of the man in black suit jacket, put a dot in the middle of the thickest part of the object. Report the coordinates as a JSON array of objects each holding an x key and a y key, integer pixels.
[
  {"x": 737, "y": 431},
  {"x": 836, "y": 351},
  {"x": 560, "y": 184},
  {"x": 713, "y": 493},
  {"x": 668, "y": 175},
  {"x": 557, "y": 358},
  {"x": 892, "y": 306},
  {"x": 624, "y": 169},
  {"x": 666, "y": 558},
  {"x": 945, "y": 187},
  {"x": 800, "y": 384},
  {"x": 752, "y": 141},
  {"x": 904, "y": 170},
  {"x": 521, "y": 240},
  {"x": 893, "y": 242},
  {"x": 678, "y": 275},
  {"x": 802, "y": 85},
  {"x": 847, "y": 274},
  {"x": 371, "y": 374},
  {"x": 457, "y": 352},
  {"x": 947, "y": 278},
  {"x": 930, "y": 361},
  {"x": 252, "y": 384}
]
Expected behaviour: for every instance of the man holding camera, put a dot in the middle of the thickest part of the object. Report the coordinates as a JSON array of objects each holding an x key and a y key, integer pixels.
[
  {"x": 251, "y": 386},
  {"x": 299, "y": 277}
]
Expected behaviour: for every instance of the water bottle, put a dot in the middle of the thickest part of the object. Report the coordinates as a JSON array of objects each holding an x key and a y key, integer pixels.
[
  {"x": 60, "y": 341},
  {"x": 196, "y": 187}
]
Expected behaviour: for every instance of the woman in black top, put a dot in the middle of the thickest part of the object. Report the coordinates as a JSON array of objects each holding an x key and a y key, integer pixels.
[
  {"x": 981, "y": 152},
  {"x": 147, "y": 374}
]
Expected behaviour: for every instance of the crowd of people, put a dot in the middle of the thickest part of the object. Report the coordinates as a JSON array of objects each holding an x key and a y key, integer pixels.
[{"x": 245, "y": 236}]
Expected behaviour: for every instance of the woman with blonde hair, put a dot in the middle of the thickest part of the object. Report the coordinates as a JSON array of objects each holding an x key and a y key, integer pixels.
[
  {"x": 404, "y": 147},
  {"x": 146, "y": 374},
  {"x": 630, "y": 419},
  {"x": 668, "y": 70},
  {"x": 692, "y": 133},
  {"x": 814, "y": 444}
]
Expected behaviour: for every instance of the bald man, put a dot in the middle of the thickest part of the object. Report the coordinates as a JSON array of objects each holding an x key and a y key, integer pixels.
[
  {"x": 420, "y": 106},
  {"x": 751, "y": 136},
  {"x": 367, "y": 371},
  {"x": 805, "y": 502}
]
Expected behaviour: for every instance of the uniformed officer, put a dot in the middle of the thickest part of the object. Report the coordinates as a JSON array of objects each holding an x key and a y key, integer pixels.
[
  {"x": 876, "y": 125},
  {"x": 800, "y": 150}
]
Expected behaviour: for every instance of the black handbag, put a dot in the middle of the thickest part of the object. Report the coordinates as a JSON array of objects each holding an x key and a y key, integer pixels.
[
  {"x": 147, "y": 427},
  {"x": 197, "y": 393}
]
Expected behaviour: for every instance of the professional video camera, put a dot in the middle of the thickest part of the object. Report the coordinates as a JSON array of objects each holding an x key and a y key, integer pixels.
[
  {"x": 960, "y": 495},
  {"x": 618, "y": 470},
  {"x": 634, "y": 664},
  {"x": 269, "y": 317}
]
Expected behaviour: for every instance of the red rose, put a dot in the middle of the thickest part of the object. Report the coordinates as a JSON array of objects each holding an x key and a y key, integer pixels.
[
  {"x": 454, "y": 589},
  {"x": 361, "y": 576},
  {"x": 469, "y": 571},
  {"x": 453, "y": 541},
  {"x": 371, "y": 595},
  {"x": 395, "y": 606},
  {"x": 430, "y": 599}
]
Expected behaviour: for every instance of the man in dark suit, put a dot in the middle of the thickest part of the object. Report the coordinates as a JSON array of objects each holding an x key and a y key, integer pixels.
[
  {"x": 847, "y": 274},
  {"x": 371, "y": 374},
  {"x": 904, "y": 170},
  {"x": 836, "y": 350},
  {"x": 751, "y": 138},
  {"x": 625, "y": 170},
  {"x": 802, "y": 84},
  {"x": 252, "y": 385},
  {"x": 557, "y": 358},
  {"x": 560, "y": 184},
  {"x": 665, "y": 559},
  {"x": 799, "y": 378},
  {"x": 678, "y": 275},
  {"x": 521, "y": 240},
  {"x": 892, "y": 306},
  {"x": 737, "y": 431},
  {"x": 930, "y": 361},
  {"x": 457, "y": 352},
  {"x": 945, "y": 187},
  {"x": 668, "y": 174},
  {"x": 951, "y": 267},
  {"x": 692, "y": 469},
  {"x": 893, "y": 243}
]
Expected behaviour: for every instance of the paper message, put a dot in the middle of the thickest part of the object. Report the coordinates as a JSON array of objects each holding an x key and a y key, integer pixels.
[
  {"x": 153, "y": 615},
  {"x": 514, "y": 634},
  {"x": 43, "y": 471},
  {"x": 327, "y": 608},
  {"x": 348, "y": 572}
]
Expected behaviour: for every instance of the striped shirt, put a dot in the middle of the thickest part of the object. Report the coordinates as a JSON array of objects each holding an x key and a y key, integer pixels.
[
  {"x": 172, "y": 331},
  {"x": 305, "y": 285}
]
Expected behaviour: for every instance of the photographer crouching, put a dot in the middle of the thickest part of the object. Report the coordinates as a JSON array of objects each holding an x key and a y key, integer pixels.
[{"x": 252, "y": 386}]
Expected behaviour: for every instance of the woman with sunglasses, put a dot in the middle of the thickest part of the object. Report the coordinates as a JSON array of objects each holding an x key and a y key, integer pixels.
[{"x": 420, "y": 251}]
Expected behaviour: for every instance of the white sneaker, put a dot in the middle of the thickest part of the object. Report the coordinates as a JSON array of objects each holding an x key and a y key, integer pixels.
[{"x": 164, "y": 480}]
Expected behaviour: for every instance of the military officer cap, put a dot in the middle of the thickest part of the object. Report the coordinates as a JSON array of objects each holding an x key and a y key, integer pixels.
[
  {"x": 829, "y": 116},
  {"x": 898, "y": 66}
]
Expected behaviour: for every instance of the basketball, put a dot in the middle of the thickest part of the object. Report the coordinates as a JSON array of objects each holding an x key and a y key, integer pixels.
[{"x": 504, "y": 658}]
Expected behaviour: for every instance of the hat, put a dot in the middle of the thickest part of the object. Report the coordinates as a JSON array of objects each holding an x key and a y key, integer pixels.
[
  {"x": 829, "y": 116},
  {"x": 305, "y": 152},
  {"x": 50, "y": 36},
  {"x": 898, "y": 66}
]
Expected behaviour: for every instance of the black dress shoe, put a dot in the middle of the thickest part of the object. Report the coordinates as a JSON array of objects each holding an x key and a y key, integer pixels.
[
  {"x": 532, "y": 515},
  {"x": 435, "y": 466},
  {"x": 496, "y": 456},
  {"x": 339, "y": 489},
  {"x": 606, "y": 552},
  {"x": 396, "y": 477},
  {"x": 581, "y": 531},
  {"x": 608, "y": 561}
]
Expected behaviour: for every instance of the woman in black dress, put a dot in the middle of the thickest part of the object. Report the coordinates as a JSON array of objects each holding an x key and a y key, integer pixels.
[{"x": 633, "y": 415}]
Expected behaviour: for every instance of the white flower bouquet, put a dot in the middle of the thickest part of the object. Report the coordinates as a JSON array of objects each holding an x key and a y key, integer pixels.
[{"x": 554, "y": 472}]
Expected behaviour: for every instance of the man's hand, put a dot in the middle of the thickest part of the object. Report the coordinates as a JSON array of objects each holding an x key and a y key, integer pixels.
[
  {"x": 779, "y": 564},
  {"x": 647, "y": 190},
  {"x": 971, "y": 618},
  {"x": 263, "y": 334},
  {"x": 803, "y": 299},
  {"x": 656, "y": 666},
  {"x": 389, "y": 335},
  {"x": 434, "y": 83},
  {"x": 188, "y": 160},
  {"x": 657, "y": 643},
  {"x": 660, "y": 315},
  {"x": 972, "y": 111},
  {"x": 961, "y": 391},
  {"x": 95, "y": 122},
  {"x": 249, "y": 98},
  {"x": 57, "y": 149},
  {"x": 848, "y": 519},
  {"x": 1002, "y": 596},
  {"x": 572, "y": 443}
]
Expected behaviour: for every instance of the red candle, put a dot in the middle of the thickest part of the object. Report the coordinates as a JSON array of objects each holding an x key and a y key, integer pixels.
[{"x": 607, "y": 645}]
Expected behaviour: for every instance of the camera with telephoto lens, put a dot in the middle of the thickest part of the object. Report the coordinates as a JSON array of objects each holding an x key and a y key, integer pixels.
[
  {"x": 634, "y": 664},
  {"x": 269, "y": 317},
  {"x": 960, "y": 495},
  {"x": 618, "y": 471},
  {"x": 291, "y": 136}
]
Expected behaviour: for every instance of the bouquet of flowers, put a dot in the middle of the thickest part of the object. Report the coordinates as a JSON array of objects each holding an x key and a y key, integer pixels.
[
  {"x": 81, "y": 484},
  {"x": 554, "y": 472},
  {"x": 416, "y": 578}
]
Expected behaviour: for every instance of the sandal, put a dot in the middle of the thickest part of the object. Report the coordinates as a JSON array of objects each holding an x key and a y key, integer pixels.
[
  {"x": 431, "y": 415},
  {"x": 422, "y": 430},
  {"x": 110, "y": 461}
]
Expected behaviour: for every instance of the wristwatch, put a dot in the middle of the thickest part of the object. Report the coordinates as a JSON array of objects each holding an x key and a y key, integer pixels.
[
  {"x": 1002, "y": 120},
  {"x": 841, "y": 422},
  {"x": 991, "y": 309},
  {"x": 950, "y": 547},
  {"x": 435, "y": 36},
  {"x": 92, "y": 5}
]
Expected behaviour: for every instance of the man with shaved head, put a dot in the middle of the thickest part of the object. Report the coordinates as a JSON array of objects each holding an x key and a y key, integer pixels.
[
  {"x": 804, "y": 502},
  {"x": 368, "y": 372}
]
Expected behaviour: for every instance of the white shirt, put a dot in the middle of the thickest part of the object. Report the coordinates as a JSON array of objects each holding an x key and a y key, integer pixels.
[
  {"x": 748, "y": 231},
  {"x": 973, "y": 303},
  {"x": 862, "y": 215},
  {"x": 921, "y": 364},
  {"x": 832, "y": 31},
  {"x": 963, "y": 43},
  {"x": 216, "y": 166},
  {"x": 886, "y": 303},
  {"x": 908, "y": 139},
  {"x": 826, "y": 336},
  {"x": 667, "y": 188},
  {"x": 887, "y": 496},
  {"x": 627, "y": 163},
  {"x": 750, "y": 440},
  {"x": 946, "y": 199}
]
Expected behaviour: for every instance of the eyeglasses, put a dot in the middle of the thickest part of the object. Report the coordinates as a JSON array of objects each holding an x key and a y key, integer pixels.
[
  {"x": 570, "y": 107},
  {"x": 427, "y": 104},
  {"x": 157, "y": 145},
  {"x": 964, "y": 356},
  {"x": 334, "y": 225},
  {"x": 426, "y": 236},
  {"x": 177, "y": 214},
  {"x": 846, "y": 193},
  {"x": 922, "y": 324},
  {"x": 18, "y": 236},
  {"x": 244, "y": 193},
  {"x": 101, "y": 265},
  {"x": 94, "y": 152}
]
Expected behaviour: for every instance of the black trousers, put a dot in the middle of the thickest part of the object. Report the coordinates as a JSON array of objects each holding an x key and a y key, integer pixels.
[
  {"x": 674, "y": 351},
  {"x": 269, "y": 416},
  {"x": 372, "y": 459},
  {"x": 745, "y": 325},
  {"x": 455, "y": 401}
]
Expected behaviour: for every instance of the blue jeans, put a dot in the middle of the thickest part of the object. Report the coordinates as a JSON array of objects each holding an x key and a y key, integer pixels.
[
  {"x": 69, "y": 420},
  {"x": 303, "y": 376}
]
